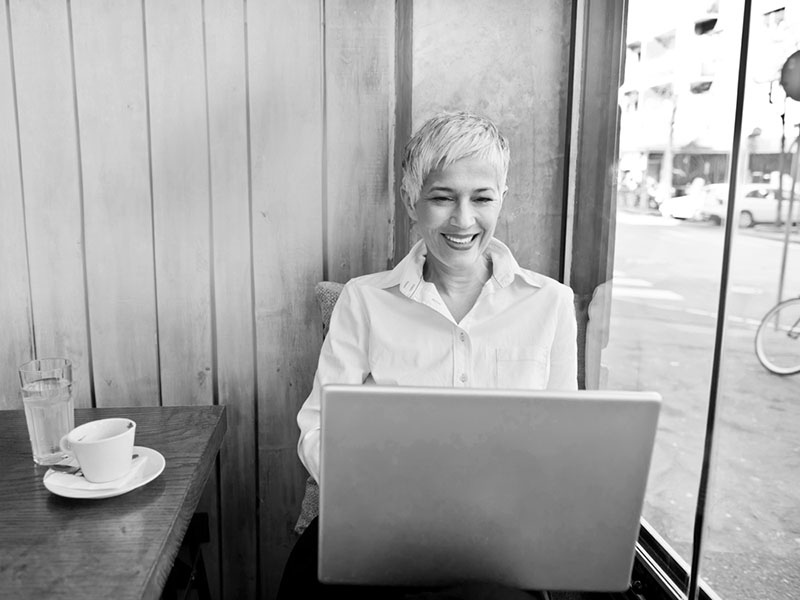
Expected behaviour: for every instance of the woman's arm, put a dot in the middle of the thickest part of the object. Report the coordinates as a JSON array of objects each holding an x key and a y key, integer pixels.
[
  {"x": 344, "y": 358},
  {"x": 564, "y": 352}
]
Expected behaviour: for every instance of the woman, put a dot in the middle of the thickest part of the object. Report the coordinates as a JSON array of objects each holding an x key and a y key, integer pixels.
[{"x": 457, "y": 310}]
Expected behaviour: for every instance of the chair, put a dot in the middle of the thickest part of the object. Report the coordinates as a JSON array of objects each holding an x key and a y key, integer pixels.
[{"x": 327, "y": 293}]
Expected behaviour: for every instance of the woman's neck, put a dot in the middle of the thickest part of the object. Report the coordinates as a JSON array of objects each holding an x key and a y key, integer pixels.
[
  {"x": 459, "y": 288},
  {"x": 452, "y": 281}
]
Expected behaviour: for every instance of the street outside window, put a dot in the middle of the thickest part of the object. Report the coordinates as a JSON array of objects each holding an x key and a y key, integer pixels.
[{"x": 665, "y": 296}]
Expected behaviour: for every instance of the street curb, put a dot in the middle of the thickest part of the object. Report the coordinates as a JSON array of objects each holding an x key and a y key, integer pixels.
[{"x": 762, "y": 231}]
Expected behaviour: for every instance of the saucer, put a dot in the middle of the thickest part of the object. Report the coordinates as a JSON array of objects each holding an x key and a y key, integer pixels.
[{"x": 151, "y": 469}]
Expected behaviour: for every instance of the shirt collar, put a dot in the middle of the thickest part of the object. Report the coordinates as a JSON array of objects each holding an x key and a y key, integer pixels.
[{"x": 407, "y": 275}]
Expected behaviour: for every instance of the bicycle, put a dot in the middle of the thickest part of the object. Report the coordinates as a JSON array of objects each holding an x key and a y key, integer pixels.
[{"x": 778, "y": 338}]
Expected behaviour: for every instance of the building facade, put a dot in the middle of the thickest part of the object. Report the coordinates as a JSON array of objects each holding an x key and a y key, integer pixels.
[{"x": 679, "y": 92}]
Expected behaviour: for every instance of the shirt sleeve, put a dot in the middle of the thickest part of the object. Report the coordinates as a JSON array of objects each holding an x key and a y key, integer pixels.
[
  {"x": 344, "y": 358},
  {"x": 564, "y": 352}
]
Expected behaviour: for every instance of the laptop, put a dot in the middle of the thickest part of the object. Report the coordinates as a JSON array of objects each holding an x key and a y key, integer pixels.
[{"x": 439, "y": 486}]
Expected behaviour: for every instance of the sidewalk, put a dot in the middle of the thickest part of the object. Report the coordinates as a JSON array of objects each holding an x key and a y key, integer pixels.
[{"x": 773, "y": 232}]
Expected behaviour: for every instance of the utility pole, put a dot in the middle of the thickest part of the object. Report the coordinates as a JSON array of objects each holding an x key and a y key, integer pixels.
[
  {"x": 665, "y": 183},
  {"x": 790, "y": 82},
  {"x": 781, "y": 159}
]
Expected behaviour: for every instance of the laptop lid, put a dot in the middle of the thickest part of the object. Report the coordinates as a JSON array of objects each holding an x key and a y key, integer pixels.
[{"x": 436, "y": 486}]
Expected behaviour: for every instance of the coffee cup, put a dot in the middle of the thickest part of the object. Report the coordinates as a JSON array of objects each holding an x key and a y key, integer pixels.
[{"x": 103, "y": 448}]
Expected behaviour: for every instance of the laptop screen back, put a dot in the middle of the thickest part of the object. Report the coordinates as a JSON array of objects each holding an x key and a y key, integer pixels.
[{"x": 436, "y": 486}]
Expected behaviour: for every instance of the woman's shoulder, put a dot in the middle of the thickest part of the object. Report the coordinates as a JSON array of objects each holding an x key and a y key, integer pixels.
[
  {"x": 538, "y": 280},
  {"x": 379, "y": 280},
  {"x": 508, "y": 270}
]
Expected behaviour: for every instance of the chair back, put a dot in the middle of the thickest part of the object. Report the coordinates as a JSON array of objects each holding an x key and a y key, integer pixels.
[{"x": 327, "y": 293}]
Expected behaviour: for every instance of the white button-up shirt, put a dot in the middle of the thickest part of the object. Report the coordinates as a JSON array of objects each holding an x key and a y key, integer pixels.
[{"x": 394, "y": 328}]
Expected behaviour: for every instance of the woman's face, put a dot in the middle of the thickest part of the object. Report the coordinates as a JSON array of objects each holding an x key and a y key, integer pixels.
[{"x": 457, "y": 213}]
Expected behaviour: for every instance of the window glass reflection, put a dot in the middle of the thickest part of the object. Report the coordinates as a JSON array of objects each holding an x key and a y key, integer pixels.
[
  {"x": 751, "y": 545},
  {"x": 677, "y": 108}
]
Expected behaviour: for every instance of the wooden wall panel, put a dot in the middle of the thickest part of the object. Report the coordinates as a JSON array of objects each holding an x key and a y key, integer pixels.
[
  {"x": 16, "y": 335},
  {"x": 181, "y": 198},
  {"x": 286, "y": 153},
  {"x": 218, "y": 160},
  {"x": 235, "y": 329},
  {"x": 51, "y": 181},
  {"x": 182, "y": 218},
  {"x": 403, "y": 120},
  {"x": 360, "y": 113},
  {"x": 112, "y": 113},
  {"x": 510, "y": 62}
]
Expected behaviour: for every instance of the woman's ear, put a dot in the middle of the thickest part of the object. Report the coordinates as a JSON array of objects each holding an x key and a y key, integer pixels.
[{"x": 410, "y": 208}]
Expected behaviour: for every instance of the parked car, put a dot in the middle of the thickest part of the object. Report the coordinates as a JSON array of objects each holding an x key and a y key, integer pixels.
[
  {"x": 685, "y": 203},
  {"x": 757, "y": 203},
  {"x": 687, "y": 207}
]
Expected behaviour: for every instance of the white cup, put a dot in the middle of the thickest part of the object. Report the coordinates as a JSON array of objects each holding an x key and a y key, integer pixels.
[{"x": 103, "y": 448}]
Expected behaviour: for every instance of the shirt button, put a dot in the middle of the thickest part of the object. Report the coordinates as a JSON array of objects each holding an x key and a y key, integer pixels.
[
  {"x": 463, "y": 378},
  {"x": 462, "y": 336}
]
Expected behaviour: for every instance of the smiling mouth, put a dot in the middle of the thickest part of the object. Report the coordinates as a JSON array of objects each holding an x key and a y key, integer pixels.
[{"x": 460, "y": 240}]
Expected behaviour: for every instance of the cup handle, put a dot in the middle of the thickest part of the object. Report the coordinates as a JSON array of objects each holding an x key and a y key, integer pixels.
[{"x": 65, "y": 445}]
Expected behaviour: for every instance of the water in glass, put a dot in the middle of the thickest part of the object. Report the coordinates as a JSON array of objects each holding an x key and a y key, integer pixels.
[{"x": 50, "y": 415}]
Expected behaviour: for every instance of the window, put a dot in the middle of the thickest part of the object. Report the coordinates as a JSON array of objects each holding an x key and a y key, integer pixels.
[
  {"x": 635, "y": 52},
  {"x": 686, "y": 298},
  {"x": 658, "y": 98},
  {"x": 705, "y": 26},
  {"x": 660, "y": 46},
  {"x": 631, "y": 103},
  {"x": 700, "y": 87},
  {"x": 774, "y": 18}
]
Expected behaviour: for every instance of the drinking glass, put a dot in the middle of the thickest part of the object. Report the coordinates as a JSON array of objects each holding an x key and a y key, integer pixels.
[{"x": 49, "y": 408}]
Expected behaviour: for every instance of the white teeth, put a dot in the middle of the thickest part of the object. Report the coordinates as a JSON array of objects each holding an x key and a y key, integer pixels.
[{"x": 459, "y": 240}]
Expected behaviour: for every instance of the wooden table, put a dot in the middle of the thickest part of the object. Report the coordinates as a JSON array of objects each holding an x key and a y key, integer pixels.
[{"x": 121, "y": 547}]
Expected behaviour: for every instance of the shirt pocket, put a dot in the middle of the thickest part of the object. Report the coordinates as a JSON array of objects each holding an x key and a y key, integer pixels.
[{"x": 522, "y": 367}]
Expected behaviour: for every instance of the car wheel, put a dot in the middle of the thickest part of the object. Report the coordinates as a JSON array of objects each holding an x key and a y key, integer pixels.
[
  {"x": 746, "y": 219},
  {"x": 715, "y": 220}
]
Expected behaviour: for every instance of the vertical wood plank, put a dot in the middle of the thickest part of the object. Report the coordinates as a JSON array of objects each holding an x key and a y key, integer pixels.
[
  {"x": 510, "y": 62},
  {"x": 179, "y": 146},
  {"x": 16, "y": 335},
  {"x": 360, "y": 104},
  {"x": 284, "y": 49},
  {"x": 235, "y": 330},
  {"x": 403, "y": 111},
  {"x": 112, "y": 113},
  {"x": 51, "y": 180},
  {"x": 181, "y": 214}
]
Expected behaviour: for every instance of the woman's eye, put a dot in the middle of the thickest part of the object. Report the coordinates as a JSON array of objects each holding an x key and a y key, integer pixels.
[
  {"x": 484, "y": 199},
  {"x": 440, "y": 199}
]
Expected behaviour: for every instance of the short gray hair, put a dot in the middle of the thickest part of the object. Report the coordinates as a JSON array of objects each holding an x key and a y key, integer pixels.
[{"x": 447, "y": 138}]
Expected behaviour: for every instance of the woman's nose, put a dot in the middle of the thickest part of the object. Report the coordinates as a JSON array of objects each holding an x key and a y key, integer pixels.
[{"x": 463, "y": 215}]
